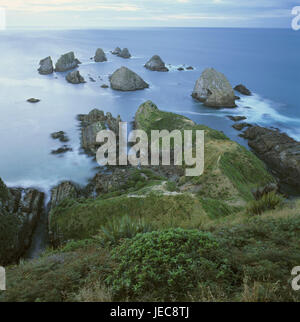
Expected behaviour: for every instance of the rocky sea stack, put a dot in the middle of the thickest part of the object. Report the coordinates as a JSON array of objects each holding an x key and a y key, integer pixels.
[
  {"x": 214, "y": 90},
  {"x": 243, "y": 90},
  {"x": 66, "y": 62},
  {"x": 124, "y": 53},
  {"x": 156, "y": 64},
  {"x": 116, "y": 51},
  {"x": 91, "y": 124},
  {"x": 124, "y": 79},
  {"x": 75, "y": 77},
  {"x": 46, "y": 66},
  {"x": 100, "y": 56}
]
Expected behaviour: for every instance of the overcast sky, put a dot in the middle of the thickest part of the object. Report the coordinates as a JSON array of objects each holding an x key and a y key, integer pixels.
[{"x": 143, "y": 13}]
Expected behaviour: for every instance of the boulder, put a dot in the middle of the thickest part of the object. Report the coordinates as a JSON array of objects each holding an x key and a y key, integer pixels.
[
  {"x": 66, "y": 62},
  {"x": 156, "y": 64},
  {"x": 61, "y": 136},
  {"x": 236, "y": 118},
  {"x": 46, "y": 66},
  {"x": 104, "y": 86},
  {"x": 124, "y": 53},
  {"x": 123, "y": 79},
  {"x": 214, "y": 90},
  {"x": 243, "y": 90},
  {"x": 33, "y": 100},
  {"x": 20, "y": 211},
  {"x": 91, "y": 124},
  {"x": 280, "y": 152},
  {"x": 75, "y": 77},
  {"x": 117, "y": 51},
  {"x": 100, "y": 56},
  {"x": 62, "y": 149},
  {"x": 240, "y": 126}
]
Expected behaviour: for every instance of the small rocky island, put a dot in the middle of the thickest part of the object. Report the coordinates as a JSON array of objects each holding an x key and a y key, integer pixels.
[
  {"x": 124, "y": 53},
  {"x": 66, "y": 62},
  {"x": 100, "y": 56},
  {"x": 75, "y": 77},
  {"x": 156, "y": 64},
  {"x": 214, "y": 89},
  {"x": 124, "y": 79},
  {"x": 46, "y": 66}
]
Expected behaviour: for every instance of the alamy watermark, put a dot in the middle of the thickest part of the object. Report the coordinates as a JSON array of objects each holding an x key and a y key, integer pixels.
[
  {"x": 296, "y": 20},
  {"x": 2, "y": 279},
  {"x": 186, "y": 146}
]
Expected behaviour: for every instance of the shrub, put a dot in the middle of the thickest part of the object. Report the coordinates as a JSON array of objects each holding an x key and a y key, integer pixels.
[
  {"x": 269, "y": 201},
  {"x": 167, "y": 264},
  {"x": 171, "y": 186},
  {"x": 123, "y": 227}
]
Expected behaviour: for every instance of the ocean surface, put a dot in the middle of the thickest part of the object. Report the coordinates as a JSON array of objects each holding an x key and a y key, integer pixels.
[{"x": 266, "y": 61}]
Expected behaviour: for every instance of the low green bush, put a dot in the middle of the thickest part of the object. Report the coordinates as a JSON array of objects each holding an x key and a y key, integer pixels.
[
  {"x": 268, "y": 201},
  {"x": 123, "y": 227},
  {"x": 167, "y": 264}
]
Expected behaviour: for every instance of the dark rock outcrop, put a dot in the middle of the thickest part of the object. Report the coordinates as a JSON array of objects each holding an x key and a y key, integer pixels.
[
  {"x": 60, "y": 135},
  {"x": 236, "y": 118},
  {"x": 75, "y": 77},
  {"x": 240, "y": 126},
  {"x": 33, "y": 100},
  {"x": 124, "y": 53},
  {"x": 280, "y": 152},
  {"x": 46, "y": 66},
  {"x": 66, "y": 62},
  {"x": 117, "y": 51},
  {"x": 156, "y": 64},
  {"x": 62, "y": 150},
  {"x": 20, "y": 210},
  {"x": 124, "y": 79},
  {"x": 100, "y": 56},
  {"x": 64, "y": 190},
  {"x": 243, "y": 90},
  {"x": 91, "y": 124},
  {"x": 214, "y": 90}
]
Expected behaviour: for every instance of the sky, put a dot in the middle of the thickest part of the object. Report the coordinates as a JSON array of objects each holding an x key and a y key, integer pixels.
[{"x": 148, "y": 13}]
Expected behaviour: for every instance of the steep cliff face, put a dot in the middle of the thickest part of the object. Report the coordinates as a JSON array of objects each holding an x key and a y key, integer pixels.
[{"x": 20, "y": 210}]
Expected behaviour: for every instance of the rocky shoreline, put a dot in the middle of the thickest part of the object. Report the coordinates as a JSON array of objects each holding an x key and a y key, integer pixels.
[{"x": 21, "y": 209}]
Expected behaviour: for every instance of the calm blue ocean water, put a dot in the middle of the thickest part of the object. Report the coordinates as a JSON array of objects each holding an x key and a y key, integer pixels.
[{"x": 266, "y": 61}]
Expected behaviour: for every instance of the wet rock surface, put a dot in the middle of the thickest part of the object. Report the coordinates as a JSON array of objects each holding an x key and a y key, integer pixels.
[
  {"x": 124, "y": 79},
  {"x": 20, "y": 210},
  {"x": 66, "y": 62},
  {"x": 60, "y": 135},
  {"x": 100, "y": 56},
  {"x": 46, "y": 66},
  {"x": 124, "y": 53},
  {"x": 75, "y": 77},
  {"x": 156, "y": 64},
  {"x": 33, "y": 100},
  {"x": 214, "y": 90},
  {"x": 243, "y": 90},
  {"x": 91, "y": 124},
  {"x": 280, "y": 152}
]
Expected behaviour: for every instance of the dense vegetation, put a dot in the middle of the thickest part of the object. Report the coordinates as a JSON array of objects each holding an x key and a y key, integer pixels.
[{"x": 153, "y": 239}]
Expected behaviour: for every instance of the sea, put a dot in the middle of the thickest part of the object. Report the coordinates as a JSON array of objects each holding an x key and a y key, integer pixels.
[{"x": 265, "y": 60}]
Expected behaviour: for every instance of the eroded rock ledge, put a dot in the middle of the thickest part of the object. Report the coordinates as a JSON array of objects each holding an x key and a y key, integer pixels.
[{"x": 280, "y": 152}]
